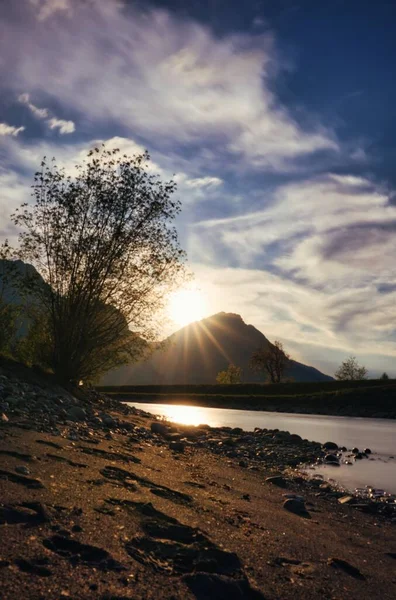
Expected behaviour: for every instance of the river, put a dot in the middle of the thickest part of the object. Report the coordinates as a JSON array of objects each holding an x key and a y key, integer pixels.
[{"x": 379, "y": 435}]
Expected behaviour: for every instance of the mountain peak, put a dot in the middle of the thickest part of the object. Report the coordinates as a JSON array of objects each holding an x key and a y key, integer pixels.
[{"x": 197, "y": 352}]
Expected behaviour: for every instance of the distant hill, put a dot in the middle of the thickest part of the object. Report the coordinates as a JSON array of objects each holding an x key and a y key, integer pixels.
[{"x": 196, "y": 353}]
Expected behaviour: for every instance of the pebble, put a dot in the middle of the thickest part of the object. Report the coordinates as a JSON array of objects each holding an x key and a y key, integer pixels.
[{"x": 22, "y": 469}]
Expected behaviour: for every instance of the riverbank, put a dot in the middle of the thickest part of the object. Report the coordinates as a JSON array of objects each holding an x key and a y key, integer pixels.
[
  {"x": 373, "y": 401},
  {"x": 99, "y": 500}
]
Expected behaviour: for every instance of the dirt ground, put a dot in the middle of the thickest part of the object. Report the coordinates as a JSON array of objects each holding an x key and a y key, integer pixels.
[{"x": 124, "y": 518}]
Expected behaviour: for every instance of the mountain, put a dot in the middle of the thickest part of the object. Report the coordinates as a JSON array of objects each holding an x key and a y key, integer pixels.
[{"x": 196, "y": 353}]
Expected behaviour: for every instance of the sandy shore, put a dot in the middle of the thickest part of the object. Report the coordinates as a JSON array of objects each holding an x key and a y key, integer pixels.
[
  {"x": 121, "y": 512},
  {"x": 127, "y": 510}
]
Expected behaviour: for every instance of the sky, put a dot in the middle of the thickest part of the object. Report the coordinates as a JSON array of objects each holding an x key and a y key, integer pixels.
[{"x": 276, "y": 118}]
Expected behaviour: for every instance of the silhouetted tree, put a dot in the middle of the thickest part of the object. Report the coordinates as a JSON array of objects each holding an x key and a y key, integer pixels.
[
  {"x": 350, "y": 370},
  {"x": 272, "y": 360},
  {"x": 103, "y": 242},
  {"x": 231, "y": 376},
  {"x": 384, "y": 376}
]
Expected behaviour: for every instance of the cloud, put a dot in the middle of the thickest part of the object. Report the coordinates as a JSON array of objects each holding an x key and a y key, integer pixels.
[
  {"x": 43, "y": 113},
  {"x": 166, "y": 78},
  {"x": 314, "y": 266},
  {"x": 6, "y": 129},
  {"x": 40, "y": 113},
  {"x": 46, "y": 8},
  {"x": 304, "y": 319},
  {"x": 63, "y": 126}
]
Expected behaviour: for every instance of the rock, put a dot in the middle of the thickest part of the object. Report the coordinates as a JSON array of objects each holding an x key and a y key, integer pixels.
[
  {"x": 355, "y": 450},
  {"x": 108, "y": 421},
  {"x": 330, "y": 446},
  {"x": 76, "y": 413},
  {"x": 13, "y": 400},
  {"x": 294, "y": 497},
  {"x": 295, "y": 438},
  {"x": 173, "y": 437},
  {"x": 367, "y": 451},
  {"x": 177, "y": 446},
  {"x": 221, "y": 587},
  {"x": 160, "y": 428},
  {"x": 339, "y": 563},
  {"x": 331, "y": 459},
  {"x": 346, "y": 499},
  {"x": 22, "y": 469},
  {"x": 296, "y": 507},
  {"x": 4, "y": 418},
  {"x": 237, "y": 430},
  {"x": 243, "y": 463},
  {"x": 277, "y": 480}
]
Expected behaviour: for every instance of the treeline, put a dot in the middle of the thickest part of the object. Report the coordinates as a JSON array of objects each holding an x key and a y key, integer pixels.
[
  {"x": 356, "y": 399},
  {"x": 250, "y": 389}
]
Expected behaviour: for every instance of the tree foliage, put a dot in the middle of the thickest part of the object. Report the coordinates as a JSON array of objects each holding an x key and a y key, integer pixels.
[
  {"x": 104, "y": 244},
  {"x": 233, "y": 375},
  {"x": 350, "y": 370},
  {"x": 384, "y": 376},
  {"x": 272, "y": 360}
]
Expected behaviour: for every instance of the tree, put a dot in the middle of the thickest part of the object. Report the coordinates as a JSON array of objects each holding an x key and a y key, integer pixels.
[
  {"x": 233, "y": 375},
  {"x": 103, "y": 242},
  {"x": 350, "y": 370},
  {"x": 272, "y": 360},
  {"x": 384, "y": 376}
]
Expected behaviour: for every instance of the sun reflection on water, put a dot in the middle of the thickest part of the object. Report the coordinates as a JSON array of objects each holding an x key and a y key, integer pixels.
[{"x": 187, "y": 415}]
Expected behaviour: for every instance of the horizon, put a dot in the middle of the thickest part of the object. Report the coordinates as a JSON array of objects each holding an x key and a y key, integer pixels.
[{"x": 275, "y": 119}]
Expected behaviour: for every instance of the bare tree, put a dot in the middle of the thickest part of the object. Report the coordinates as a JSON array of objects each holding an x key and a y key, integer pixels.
[
  {"x": 104, "y": 244},
  {"x": 350, "y": 370},
  {"x": 233, "y": 375},
  {"x": 272, "y": 360}
]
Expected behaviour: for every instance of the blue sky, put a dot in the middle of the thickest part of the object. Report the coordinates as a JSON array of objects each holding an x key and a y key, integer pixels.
[{"x": 277, "y": 119}]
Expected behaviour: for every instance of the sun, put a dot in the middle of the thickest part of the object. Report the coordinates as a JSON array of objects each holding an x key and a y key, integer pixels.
[{"x": 186, "y": 306}]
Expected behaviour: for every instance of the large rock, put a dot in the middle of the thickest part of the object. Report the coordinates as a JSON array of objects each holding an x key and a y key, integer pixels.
[
  {"x": 76, "y": 413},
  {"x": 160, "y": 428},
  {"x": 296, "y": 506},
  {"x": 330, "y": 446},
  {"x": 331, "y": 459}
]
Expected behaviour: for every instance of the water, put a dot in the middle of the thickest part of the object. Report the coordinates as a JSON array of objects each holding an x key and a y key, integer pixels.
[{"x": 379, "y": 435}]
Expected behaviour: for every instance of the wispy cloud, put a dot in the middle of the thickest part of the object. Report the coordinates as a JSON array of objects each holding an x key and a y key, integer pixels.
[
  {"x": 309, "y": 261},
  {"x": 6, "y": 129},
  {"x": 63, "y": 126},
  {"x": 46, "y": 8},
  {"x": 167, "y": 78},
  {"x": 40, "y": 113}
]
